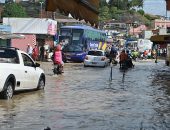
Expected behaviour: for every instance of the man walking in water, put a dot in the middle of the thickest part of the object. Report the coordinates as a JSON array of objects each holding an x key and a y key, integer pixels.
[{"x": 123, "y": 58}]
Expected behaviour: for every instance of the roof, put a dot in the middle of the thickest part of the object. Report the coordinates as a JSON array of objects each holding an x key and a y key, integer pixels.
[
  {"x": 160, "y": 39},
  {"x": 69, "y": 21},
  {"x": 79, "y": 9},
  {"x": 8, "y": 35},
  {"x": 81, "y": 26}
]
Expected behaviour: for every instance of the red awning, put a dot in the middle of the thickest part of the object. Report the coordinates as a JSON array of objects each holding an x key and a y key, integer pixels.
[{"x": 79, "y": 9}]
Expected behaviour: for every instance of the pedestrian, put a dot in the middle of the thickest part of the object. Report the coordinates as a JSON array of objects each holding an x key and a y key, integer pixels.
[
  {"x": 29, "y": 50},
  {"x": 123, "y": 58},
  {"x": 35, "y": 53},
  {"x": 129, "y": 62},
  {"x": 113, "y": 53},
  {"x": 57, "y": 56},
  {"x": 42, "y": 51}
]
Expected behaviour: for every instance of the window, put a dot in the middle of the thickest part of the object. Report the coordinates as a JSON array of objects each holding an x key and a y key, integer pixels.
[
  {"x": 27, "y": 60},
  {"x": 8, "y": 56},
  {"x": 65, "y": 32},
  {"x": 95, "y": 53}
]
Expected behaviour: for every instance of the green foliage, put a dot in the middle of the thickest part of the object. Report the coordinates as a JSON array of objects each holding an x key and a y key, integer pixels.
[
  {"x": 102, "y": 3},
  {"x": 141, "y": 12},
  {"x": 126, "y": 4},
  {"x": 104, "y": 13},
  {"x": 136, "y": 3},
  {"x": 41, "y": 0},
  {"x": 132, "y": 11},
  {"x": 148, "y": 17},
  {"x": 13, "y": 10}
]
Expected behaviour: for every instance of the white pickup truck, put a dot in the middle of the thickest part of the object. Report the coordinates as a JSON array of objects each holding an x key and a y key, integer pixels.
[{"x": 18, "y": 71}]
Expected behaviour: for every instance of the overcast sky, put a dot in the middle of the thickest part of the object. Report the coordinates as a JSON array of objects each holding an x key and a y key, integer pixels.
[{"x": 157, "y": 7}]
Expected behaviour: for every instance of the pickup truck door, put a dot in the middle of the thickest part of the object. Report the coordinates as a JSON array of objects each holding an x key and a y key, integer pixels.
[{"x": 30, "y": 73}]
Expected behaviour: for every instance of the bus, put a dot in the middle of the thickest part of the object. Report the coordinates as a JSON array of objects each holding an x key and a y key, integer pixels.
[{"x": 79, "y": 39}]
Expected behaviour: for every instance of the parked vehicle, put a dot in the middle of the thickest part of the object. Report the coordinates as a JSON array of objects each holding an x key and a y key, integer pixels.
[
  {"x": 18, "y": 71},
  {"x": 96, "y": 58}
]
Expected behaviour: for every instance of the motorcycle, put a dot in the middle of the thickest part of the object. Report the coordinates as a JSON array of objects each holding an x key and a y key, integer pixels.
[
  {"x": 58, "y": 69},
  {"x": 127, "y": 64}
]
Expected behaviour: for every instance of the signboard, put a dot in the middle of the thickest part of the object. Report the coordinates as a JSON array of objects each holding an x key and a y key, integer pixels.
[
  {"x": 31, "y": 25},
  {"x": 144, "y": 44}
]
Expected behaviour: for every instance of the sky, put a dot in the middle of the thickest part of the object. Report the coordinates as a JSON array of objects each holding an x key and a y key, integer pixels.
[{"x": 156, "y": 7}]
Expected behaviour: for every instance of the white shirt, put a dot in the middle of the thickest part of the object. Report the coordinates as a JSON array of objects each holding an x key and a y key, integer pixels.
[{"x": 29, "y": 50}]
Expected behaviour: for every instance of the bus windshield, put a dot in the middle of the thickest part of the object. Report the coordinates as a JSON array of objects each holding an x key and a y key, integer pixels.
[
  {"x": 72, "y": 48},
  {"x": 75, "y": 40}
]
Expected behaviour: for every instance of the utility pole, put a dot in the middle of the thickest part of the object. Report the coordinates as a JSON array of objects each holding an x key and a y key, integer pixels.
[{"x": 41, "y": 3}]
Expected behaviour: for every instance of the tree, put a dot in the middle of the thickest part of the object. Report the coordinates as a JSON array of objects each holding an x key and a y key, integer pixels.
[
  {"x": 136, "y": 3},
  {"x": 126, "y": 4},
  {"x": 14, "y": 10},
  {"x": 104, "y": 14},
  {"x": 142, "y": 12}
]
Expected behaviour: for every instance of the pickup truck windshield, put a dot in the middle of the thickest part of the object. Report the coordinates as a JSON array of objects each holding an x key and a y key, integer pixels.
[{"x": 8, "y": 56}]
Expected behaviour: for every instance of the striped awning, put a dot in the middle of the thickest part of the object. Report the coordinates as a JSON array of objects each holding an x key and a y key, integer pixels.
[{"x": 79, "y": 9}]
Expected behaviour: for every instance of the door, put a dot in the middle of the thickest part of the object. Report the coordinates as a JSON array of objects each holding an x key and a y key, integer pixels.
[{"x": 30, "y": 72}]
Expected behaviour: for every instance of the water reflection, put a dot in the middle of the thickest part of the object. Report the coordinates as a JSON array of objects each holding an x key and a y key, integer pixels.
[{"x": 85, "y": 98}]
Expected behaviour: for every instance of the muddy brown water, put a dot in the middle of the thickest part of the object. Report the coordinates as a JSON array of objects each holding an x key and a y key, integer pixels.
[{"x": 85, "y": 99}]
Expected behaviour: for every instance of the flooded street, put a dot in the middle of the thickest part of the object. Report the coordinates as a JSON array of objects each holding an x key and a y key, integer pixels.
[{"x": 85, "y": 99}]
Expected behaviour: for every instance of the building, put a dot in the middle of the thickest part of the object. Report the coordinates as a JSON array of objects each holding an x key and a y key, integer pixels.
[
  {"x": 162, "y": 24},
  {"x": 114, "y": 26},
  {"x": 36, "y": 31},
  {"x": 137, "y": 30}
]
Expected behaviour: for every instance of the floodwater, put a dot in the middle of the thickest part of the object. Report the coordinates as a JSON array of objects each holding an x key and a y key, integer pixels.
[{"x": 87, "y": 99}]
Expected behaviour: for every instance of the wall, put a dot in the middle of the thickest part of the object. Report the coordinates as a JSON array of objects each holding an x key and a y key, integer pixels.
[
  {"x": 162, "y": 23},
  {"x": 22, "y": 43}
]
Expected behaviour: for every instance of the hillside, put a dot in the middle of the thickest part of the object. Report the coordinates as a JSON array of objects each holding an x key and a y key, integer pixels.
[{"x": 33, "y": 9}]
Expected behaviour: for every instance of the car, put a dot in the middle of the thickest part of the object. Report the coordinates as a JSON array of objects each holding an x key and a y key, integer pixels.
[
  {"x": 18, "y": 71},
  {"x": 96, "y": 58}
]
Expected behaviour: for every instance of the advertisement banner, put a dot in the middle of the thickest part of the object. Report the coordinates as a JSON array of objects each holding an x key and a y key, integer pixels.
[{"x": 31, "y": 25}]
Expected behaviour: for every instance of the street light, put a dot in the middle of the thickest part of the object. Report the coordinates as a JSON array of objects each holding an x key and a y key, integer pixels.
[{"x": 41, "y": 3}]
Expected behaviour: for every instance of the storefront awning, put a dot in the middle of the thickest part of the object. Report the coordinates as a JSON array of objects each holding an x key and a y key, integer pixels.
[
  {"x": 7, "y": 35},
  {"x": 79, "y": 9},
  {"x": 160, "y": 39}
]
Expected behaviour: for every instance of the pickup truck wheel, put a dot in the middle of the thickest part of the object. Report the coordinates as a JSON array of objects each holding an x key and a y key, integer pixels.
[
  {"x": 41, "y": 84},
  {"x": 9, "y": 91}
]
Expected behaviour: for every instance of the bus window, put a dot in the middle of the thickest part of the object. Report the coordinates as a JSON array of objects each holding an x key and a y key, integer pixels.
[
  {"x": 65, "y": 32},
  {"x": 77, "y": 36}
]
